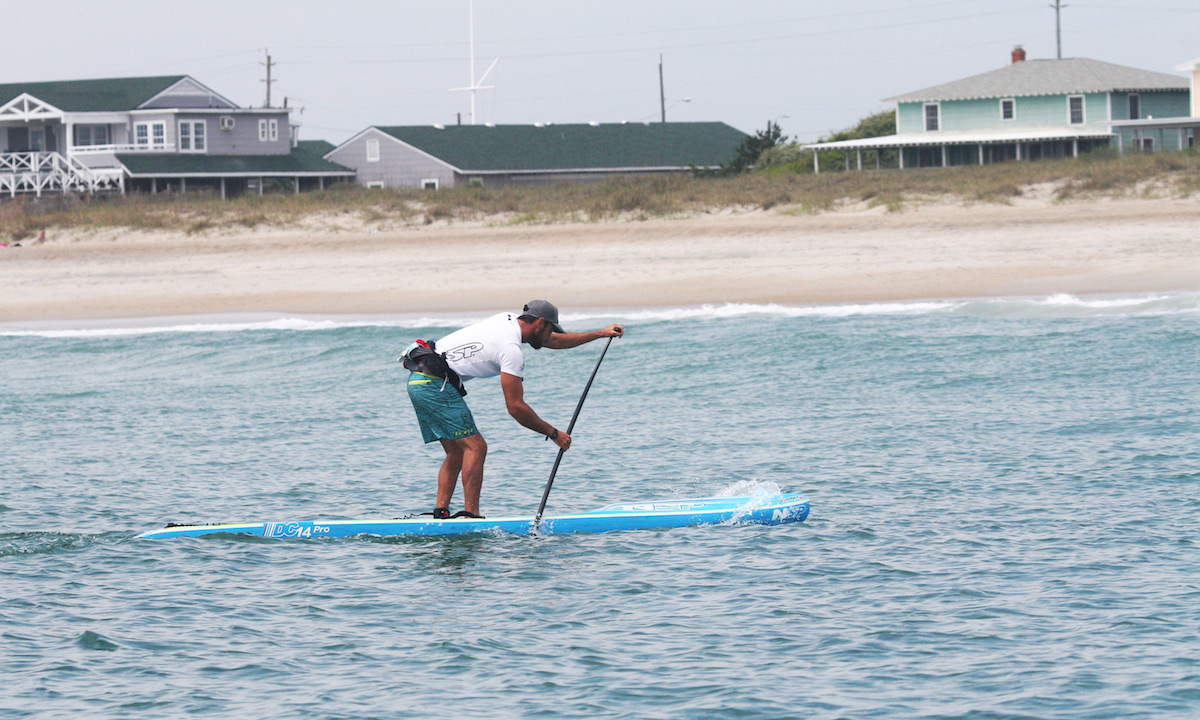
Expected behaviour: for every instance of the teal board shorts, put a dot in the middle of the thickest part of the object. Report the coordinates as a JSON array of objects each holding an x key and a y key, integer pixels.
[{"x": 441, "y": 411}]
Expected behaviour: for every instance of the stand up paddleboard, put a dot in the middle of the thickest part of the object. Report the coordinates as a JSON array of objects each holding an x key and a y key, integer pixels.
[{"x": 754, "y": 510}]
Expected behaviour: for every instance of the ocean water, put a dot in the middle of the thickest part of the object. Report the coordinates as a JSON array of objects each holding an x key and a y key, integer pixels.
[{"x": 1005, "y": 508}]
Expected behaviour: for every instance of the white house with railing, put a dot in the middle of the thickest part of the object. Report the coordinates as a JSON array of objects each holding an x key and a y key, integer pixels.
[{"x": 150, "y": 134}]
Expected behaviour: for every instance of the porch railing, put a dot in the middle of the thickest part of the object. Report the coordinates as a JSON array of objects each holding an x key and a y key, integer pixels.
[
  {"x": 38, "y": 172},
  {"x": 125, "y": 148}
]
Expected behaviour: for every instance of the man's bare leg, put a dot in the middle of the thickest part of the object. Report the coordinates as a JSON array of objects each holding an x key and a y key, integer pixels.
[{"x": 466, "y": 456}]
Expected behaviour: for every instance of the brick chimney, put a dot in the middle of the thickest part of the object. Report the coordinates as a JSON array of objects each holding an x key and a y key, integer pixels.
[{"x": 1018, "y": 54}]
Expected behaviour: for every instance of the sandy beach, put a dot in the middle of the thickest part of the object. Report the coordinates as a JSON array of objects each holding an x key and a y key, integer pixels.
[{"x": 934, "y": 250}]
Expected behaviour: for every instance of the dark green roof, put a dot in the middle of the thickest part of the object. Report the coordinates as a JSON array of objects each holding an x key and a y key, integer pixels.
[
  {"x": 111, "y": 95},
  {"x": 480, "y": 148},
  {"x": 302, "y": 161}
]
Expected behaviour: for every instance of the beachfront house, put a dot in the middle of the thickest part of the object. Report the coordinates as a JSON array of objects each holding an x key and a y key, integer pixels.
[
  {"x": 439, "y": 156},
  {"x": 1026, "y": 110},
  {"x": 150, "y": 134},
  {"x": 1150, "y": 132}
]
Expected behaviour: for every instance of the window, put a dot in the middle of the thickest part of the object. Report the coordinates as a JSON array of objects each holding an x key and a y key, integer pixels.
[
  {"x": 1145, "y": 145},
  {"x": 150, "y": 135},
  {"x": 933, "y": 116},
  {"x": 375, "y": 185},
  {"x": 88, "y": 135},
  {"x": 429, "y": 184},
  {"x": 268, "y": 130},
  {"x": 372, "y": 151},
  {"x": 192, "y": 136},
  {"x": 1135, "y": 106},
  {"x": 1008, "y": 109},
  {"x": 1075, "y": 109},
  {"x": 37, "y": 140}
]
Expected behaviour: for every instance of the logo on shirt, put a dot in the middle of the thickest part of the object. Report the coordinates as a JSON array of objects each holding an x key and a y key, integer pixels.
[{"x": 463, "y": 352}]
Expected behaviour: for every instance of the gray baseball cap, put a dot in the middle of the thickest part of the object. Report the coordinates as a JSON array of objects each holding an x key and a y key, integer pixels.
[{"x": 544, "y": 310}]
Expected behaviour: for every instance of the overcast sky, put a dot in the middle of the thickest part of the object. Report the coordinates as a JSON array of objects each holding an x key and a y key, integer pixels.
[{"x": 814, "y": 67}]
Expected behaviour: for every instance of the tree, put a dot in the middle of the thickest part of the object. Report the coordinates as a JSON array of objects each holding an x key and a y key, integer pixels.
[{"x": 752, "y": 147}]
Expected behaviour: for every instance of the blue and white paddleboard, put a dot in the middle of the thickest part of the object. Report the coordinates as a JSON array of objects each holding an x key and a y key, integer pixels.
[{"x": 753, "y": 510}]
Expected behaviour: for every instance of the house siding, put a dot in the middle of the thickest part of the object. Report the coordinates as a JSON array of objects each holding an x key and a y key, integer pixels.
[
  {"x": 399, "y": 165},
  {"x": 1030, "y": 112},
  {"x": 243, "y": 138}
]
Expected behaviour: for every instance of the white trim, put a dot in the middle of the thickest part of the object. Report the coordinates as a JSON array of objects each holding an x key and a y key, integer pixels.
[
  {"x": 375, "y": 185},
  {"x": 150, "y": 144},
  {"x": 372, "y": 150},
  {"x": 197, "y": 142},
  {"x": 202, "y": 89},
  {"x": 30, "y": 108},
  {"x": 1129, "y": 105},
  {"x": 1082, "y": 110},
  {"x": 925, "y": 116},
  {"x": 429, "y": 183},
  {"x": 1014, "y": 109}
]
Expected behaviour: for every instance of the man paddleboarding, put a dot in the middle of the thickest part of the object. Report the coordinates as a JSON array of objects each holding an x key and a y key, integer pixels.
[{"x": 486, "y": 349}]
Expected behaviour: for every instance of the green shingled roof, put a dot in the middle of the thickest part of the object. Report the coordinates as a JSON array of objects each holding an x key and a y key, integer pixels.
[
  {"x": 479, "y": 148},
  {"x": 303, "y": 160},
  {"x": 111, "y": 95}
]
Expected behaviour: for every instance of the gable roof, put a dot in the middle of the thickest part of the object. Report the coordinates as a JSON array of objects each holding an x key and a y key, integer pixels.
[
  {"x": 109, "y": 95},
  {"x": 1048, "y": 77},
  {"x": 516, "y": 148}
]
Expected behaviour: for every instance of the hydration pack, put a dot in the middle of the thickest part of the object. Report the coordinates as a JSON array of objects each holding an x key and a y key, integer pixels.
[{"x": 422, "y": 356}]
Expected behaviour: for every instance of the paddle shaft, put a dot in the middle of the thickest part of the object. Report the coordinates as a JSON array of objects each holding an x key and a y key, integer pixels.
[{"x": 537, "y": 519}]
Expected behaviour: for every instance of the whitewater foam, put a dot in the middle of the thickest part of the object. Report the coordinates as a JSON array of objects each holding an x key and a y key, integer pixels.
[{"x": 1059, "y": 305}]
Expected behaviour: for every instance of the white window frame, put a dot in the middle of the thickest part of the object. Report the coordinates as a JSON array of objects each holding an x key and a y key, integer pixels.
[
  {"x": 192, "y": 141},
  {"x": 1012, "y": 107},
  {"x": 373, "y": 150},
  {"x": 268, "y": 130},
  {"x": 925, "y": 117},
  {"x": 375, "y": 185},
  {"x": 429, "y": 183},
  {"x": 156, "y": 135},
  {"x": 1135, "y": 98},
  {"x": 1082, "y": 109}
]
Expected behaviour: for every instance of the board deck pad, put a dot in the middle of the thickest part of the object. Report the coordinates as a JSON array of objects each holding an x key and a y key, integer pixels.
[{"x": 646, "y": 515}]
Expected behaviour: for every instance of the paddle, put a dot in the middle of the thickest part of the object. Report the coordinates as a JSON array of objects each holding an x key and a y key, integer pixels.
[{"x": 537, "y": 519}]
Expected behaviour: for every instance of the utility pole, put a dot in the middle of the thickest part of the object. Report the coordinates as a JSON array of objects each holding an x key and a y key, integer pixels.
[
  {"x": 268, "y": 81},
  {"x": 1058, "y": 6},
  {"x": 662, "y": 95}
]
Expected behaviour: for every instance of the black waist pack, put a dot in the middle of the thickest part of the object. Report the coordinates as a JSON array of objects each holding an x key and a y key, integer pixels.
[{"x": 422, "y": 356}]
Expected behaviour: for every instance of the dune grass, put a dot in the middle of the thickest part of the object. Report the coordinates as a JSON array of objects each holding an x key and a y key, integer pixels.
[{"x": 785, "y": 189}]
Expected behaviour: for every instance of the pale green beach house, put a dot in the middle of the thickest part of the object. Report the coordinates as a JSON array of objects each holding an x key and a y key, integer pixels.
[{"x": 1027, "y": 110}]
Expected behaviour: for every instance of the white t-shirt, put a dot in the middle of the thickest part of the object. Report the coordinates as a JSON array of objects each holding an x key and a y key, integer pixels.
[{"x": 486, "y": 348}]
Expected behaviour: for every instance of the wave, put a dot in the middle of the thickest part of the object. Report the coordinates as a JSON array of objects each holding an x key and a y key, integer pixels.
[{"x": 1060, "y": 305}]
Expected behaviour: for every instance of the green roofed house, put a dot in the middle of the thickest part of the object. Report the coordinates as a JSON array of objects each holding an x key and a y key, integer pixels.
[
  {"x": 440, "y": 156},
  {"x": 1026, "y": 110},
  {"x": 148, "y": 134}
]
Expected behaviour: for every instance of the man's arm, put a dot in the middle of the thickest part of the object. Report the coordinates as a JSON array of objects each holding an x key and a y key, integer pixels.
[
  {"x": 562, "y": 341},
  {"x": 514, "y": 398}
]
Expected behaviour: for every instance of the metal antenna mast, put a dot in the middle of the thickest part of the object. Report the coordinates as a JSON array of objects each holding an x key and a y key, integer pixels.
[
  {"x": 1058, "y": 6},
  {"x": 475, "y": 86}
]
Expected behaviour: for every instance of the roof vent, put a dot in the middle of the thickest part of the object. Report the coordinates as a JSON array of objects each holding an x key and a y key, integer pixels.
[
  {"x": 594, "y": 124},
  {"x": 1018, "y": 54},
  {"x": 489, "y": 124},
  {"x": 539, "y": 124},
  {"x": 439, "y": 126}
]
